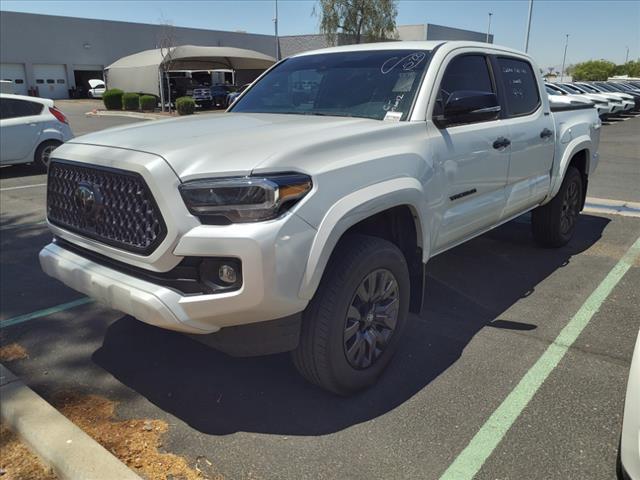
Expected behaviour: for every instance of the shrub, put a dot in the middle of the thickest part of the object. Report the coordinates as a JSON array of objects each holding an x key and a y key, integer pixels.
[
  {"x": 131, "y": 101},
  {"x": 113, "y": 99},
  {"x": 148, "y": 102},
  {"x": 185, "y": 105}
]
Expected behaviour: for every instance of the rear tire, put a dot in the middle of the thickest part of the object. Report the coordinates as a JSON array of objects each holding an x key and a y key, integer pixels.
[
  {"x": 553, "y": 224},
  {"x": 43, "y": 154},
  {"x": 353, "y": 324}
]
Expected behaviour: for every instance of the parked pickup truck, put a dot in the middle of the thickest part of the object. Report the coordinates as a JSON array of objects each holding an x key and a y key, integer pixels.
[{"x": 307, "y": 223}]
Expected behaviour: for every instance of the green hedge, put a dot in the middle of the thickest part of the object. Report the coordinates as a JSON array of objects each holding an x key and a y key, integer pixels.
[
  {"x": 148, "y": 102},
  {"x": 185, "y": 105},
  {"x": 113, "y": 99},
  {"x": 131, "y": 101}
]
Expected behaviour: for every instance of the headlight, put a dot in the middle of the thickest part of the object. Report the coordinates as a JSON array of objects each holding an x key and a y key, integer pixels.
[{"x": 244, "y": 199}]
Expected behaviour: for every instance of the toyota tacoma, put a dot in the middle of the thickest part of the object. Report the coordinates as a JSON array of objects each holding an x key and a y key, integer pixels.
[{"x": 304, "y": 222}]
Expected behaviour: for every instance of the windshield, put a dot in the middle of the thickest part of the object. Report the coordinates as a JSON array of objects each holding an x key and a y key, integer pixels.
[
  {"x": 605, "y": 87},
  {"x": 554, "y": 90},
  {"x": 367, "y": 84},
  {"x": 571, "y": 89},
  {"x": 590, "y": 88},
  {"x": 616, "y": 87}
]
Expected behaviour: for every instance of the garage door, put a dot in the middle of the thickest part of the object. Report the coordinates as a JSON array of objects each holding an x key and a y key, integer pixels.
[
  {"x": 15, "y": 73},
  {"x": 51, "y": 80}
]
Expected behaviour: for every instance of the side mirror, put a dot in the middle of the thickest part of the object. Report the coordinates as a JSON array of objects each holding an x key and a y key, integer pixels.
[{"x": 469, "y": 106}]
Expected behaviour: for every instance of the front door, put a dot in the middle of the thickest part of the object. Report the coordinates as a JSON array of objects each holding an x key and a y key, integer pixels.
[{"x": 472, "y": 158}]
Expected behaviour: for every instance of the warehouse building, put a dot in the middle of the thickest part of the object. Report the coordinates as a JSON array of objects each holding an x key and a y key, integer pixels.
[{"x": 66, "y": 52}]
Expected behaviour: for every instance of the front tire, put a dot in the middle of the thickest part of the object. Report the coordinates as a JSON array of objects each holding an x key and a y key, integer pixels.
[
  {"x": 553, "y": 224},
  {"x": 353, "y": 324},
  {"x": 43, "y": 154}
]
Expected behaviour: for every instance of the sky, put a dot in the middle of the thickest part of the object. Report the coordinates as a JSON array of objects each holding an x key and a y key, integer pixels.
[{"x": 597, "y": 28}]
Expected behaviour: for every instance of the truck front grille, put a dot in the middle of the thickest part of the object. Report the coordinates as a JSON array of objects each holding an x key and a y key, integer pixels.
[{"x": 109, "y": 205}]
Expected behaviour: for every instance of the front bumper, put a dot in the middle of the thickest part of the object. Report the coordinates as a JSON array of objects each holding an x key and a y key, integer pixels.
[{"x": 272, "y": 273}]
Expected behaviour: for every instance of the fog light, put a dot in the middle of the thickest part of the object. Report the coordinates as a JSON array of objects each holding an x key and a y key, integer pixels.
[{"x": 227, "y": 273}]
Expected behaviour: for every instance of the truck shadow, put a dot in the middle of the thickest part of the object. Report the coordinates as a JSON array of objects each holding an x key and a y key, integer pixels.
[{"x": 469, "y": 288}]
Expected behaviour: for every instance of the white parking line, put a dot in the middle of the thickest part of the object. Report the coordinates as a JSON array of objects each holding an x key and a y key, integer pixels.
[{"x": 6, "y": 189}]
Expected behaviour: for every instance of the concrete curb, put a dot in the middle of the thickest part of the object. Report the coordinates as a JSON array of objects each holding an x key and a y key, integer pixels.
[
  {"x": 56, "y": 440},
  {"x": 612, "y": 207},
  {"x": 140, "y": 115}
]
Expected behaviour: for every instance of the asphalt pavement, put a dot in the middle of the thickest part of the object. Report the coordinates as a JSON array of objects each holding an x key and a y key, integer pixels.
[{"x": 493, "y": 308}]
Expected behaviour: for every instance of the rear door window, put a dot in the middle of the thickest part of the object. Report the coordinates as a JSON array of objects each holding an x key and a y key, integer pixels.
[
  {"x": 519, "y": 85},
  {"x": 12, "y": 108}
]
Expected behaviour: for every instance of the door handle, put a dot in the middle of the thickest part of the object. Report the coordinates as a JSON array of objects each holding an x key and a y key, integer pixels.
[
  {"x": 501, "y": 142},
  {"x": 545, "y": 133}
]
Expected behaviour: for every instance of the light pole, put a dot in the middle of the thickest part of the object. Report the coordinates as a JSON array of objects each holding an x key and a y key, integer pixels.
[
  {"x": 626, "y": 58},
  {"x": 526, "y": 40},
  {"x": 564, "y": 58},
  {"x": 275, "y": 23},
  {"x": 489, "y": 27}
]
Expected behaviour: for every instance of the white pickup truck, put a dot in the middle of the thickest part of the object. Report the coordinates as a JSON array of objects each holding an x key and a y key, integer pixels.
[{"x": 303, "y": 218}]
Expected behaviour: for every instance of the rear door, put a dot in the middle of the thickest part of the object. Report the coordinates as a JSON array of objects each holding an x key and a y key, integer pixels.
[
  {"x": 20, "y": 125},
  {"x": 470, "y": 156},
  {"x": 531, "y": 131}
]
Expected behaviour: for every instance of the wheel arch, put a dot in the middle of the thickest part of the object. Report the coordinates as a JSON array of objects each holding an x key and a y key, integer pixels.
[
  {"x": 393, "y": 210},
  {"x": 577, "y": 153}
]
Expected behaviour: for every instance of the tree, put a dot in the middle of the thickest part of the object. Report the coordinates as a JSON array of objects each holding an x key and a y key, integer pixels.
[
  {"x": 592, "y": 70},
  {"x": 631, "y": 69},
  {"x": 166, "y": 42},
  {"x": 372, "y": 20}
]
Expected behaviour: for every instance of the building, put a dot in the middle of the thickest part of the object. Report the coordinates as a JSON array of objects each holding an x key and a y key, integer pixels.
[
  {"x": 292, "y": 44},
  {"x": 66, "y": 52}
]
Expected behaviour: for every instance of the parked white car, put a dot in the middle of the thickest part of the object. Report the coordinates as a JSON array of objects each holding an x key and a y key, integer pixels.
[
  {"x": 614, "y": 104},
  {"x": 627, "y": 101},
  {"x": 558, "y": 95},
  {"x": 304, "y": 223},
  {"x": 31, "y": 128},
  {"x": 629, "y": 453},
  {"x": 96, "y": 88}
]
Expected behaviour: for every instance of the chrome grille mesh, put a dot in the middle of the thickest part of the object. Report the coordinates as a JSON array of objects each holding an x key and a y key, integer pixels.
[{"x": 109, "y": 205}]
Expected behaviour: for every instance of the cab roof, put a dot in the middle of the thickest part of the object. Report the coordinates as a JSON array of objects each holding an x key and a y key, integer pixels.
[{"x": 411, "y": 45}]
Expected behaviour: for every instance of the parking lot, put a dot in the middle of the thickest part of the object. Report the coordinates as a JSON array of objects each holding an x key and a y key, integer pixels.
[{"x": 493, "y": 307}]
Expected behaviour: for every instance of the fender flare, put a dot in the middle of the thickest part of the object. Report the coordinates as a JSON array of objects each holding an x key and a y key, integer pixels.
[
  {"x": 559, "y": 169},
  {"x": 355, "y": 207}
]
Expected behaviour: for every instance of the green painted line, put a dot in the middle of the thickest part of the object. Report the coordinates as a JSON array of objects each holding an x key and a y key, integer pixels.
[
  {"x": 470, "y": 460},
  {"x": 43, "y": 313}
]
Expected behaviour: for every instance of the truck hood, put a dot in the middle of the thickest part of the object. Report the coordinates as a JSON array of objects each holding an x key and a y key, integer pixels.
[{"x": 237, "y": 143}]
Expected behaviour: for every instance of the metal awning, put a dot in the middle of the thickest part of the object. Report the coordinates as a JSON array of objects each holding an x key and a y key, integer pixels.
[{"x": 139, "y": 72}]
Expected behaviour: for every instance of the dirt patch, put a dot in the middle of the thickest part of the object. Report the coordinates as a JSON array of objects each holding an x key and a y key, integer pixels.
[
  {"x": 134, "y": 442},
  {"x": 17, "y": 462},
  {"x": 11, "y": 352}
]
